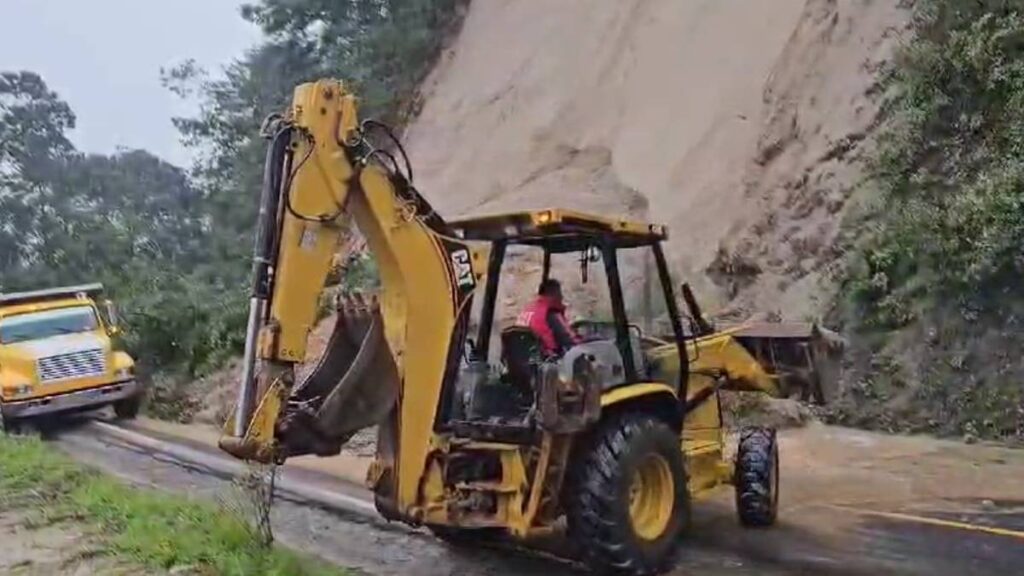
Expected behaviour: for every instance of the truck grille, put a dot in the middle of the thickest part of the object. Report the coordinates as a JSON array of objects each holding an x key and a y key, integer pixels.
[{"x": 74, "y": 365}]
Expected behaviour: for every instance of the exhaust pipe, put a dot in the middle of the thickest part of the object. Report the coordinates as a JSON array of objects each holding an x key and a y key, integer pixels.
[{"x": 264, "y": 251}]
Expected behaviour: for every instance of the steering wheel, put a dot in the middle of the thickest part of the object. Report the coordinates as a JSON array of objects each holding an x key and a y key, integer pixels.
[{"x": 601, "y": 330}]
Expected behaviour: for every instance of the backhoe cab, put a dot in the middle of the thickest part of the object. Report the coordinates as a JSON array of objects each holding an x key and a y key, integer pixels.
[{"x": 617, "y": 436}]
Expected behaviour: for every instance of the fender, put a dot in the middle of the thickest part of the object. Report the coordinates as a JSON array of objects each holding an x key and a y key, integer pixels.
[
  {"x": 631, "y": 391},
  {"x": 652, "y": 397}
]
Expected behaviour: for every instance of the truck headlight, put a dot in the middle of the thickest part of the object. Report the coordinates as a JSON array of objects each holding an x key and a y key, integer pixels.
[
  {"x": 17, "y": 389},
  {"x": 124, "y": 373}
]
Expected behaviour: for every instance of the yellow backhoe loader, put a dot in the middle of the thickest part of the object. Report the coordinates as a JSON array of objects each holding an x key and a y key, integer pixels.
[{"x": 616, "y": 436}]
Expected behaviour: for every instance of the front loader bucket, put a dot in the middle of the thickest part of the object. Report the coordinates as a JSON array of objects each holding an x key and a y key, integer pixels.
[
  {"x": 805, "y": 357},
  {"x": 353, "y": 386}
]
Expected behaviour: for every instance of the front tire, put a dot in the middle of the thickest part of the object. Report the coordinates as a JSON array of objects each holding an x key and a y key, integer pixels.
[
  {"x": 757, "y": 477},
  {"x": 627, "y": 501},
  {"x": 8, "y": 426},
  {"x": 128, "y": 408}
]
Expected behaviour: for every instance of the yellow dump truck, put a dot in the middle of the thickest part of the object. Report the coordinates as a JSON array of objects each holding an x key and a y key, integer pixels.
[{"x": 57, "y": 355}]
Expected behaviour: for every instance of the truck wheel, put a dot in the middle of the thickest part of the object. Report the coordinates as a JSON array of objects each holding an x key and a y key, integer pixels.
[
  {"x": 8, "y": 425},
  {"x": 757, "y": 477},
  {"x": 627, "y": 501},
  {"x": 128, "y": 408}
]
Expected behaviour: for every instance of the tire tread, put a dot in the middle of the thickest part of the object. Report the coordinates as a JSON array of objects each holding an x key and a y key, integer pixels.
[
  {"x": 591, "y": 502},
  {"x": 755, "y": 460}
]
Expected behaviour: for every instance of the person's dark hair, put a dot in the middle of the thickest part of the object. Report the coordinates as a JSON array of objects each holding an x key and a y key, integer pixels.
[{"x": 549, "y": 287}]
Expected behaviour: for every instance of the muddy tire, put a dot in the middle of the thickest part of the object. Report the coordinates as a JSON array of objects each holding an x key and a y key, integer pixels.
[
  {"x": 626, "y": 498},
  {"x": 757, "y": 477},
  {"x": 128, "y": 408}
]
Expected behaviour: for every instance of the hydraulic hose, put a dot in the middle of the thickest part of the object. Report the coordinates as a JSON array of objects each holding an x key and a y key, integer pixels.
[
  {"x": 270, "y": 196},
  {"x": 260, "y": 281}
]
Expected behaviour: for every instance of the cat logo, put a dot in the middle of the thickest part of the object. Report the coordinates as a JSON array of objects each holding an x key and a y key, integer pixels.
[{"x": 463, "y": 268}]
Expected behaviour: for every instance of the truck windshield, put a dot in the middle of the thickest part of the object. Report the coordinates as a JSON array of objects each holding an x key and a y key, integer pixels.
[{"x": 47, "y": 323}]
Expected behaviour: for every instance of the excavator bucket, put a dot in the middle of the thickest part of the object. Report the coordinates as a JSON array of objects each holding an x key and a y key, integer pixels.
[
  {"x": 804, "y": 357},
  {"x": 353, "y": 386}
]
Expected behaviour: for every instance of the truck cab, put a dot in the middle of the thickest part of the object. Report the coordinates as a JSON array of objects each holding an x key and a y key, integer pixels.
[{"x": 58, "y": 355}]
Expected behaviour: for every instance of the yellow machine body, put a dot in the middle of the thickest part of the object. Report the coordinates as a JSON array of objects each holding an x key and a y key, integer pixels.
[{"x": 399, "y": 360}]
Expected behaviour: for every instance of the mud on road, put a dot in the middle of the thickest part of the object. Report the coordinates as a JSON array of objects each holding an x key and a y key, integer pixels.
[{"x": 852, "y": 503}]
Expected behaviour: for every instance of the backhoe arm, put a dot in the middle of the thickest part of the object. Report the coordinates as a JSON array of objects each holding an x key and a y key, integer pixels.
[{"x": 391, "y": 358}]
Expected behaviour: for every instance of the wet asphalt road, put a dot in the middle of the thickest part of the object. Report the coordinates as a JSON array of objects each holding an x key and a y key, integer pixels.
[{"x": 938, "y": 538}]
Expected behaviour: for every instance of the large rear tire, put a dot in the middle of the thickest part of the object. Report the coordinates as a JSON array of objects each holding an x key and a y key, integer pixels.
[
  {"x": 627, "y": 502},
  {"x": 757, "y": 477}
]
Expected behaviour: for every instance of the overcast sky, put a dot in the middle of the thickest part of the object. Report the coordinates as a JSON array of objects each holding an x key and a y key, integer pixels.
[{"x": 104, "y": 58}]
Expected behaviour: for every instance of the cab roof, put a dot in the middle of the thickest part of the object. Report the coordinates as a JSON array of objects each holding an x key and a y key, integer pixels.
[{"x": 558, "y": 229}]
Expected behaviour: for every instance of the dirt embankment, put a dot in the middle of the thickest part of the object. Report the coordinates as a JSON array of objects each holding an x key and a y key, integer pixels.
[{"x": 737, "y": 123}]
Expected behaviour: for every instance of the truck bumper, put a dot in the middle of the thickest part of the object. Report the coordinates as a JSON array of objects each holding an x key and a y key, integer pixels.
[{"x": 77, "y": 400}]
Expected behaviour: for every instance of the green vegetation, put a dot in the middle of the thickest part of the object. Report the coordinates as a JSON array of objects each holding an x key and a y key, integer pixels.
[
  {"x": 174, "y": 246},
  {"x": 149, "y": 528},
  {"x": 934, "y": 296},
  {"x": 383, "y": 47}
]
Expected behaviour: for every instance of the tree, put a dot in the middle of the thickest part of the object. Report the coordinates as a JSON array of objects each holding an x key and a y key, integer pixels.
[
  {"x": 383, "y": 47},
  {"x": 227, "y": 133},
  {"x": 33, "y": 122},
  {"x": 173, "y": 247}
]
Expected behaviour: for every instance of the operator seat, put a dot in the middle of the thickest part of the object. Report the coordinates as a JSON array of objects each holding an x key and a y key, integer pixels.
[{"x": 521, "y": 354}]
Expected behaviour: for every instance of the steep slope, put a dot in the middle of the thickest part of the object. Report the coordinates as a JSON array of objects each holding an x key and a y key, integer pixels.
[{"x": 735, "y": 122}]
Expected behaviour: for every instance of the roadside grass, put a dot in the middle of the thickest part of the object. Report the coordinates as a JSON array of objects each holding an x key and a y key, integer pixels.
[{"x": 153, "y": 529}]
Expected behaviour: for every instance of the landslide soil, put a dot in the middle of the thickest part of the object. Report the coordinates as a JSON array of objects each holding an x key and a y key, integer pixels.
[{"x": 739, "y": 124}]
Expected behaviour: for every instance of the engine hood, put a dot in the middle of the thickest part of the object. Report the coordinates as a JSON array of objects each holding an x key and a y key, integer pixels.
[
  {"x": 64, "y": 344},
  {"x": 18, "y": 361}
]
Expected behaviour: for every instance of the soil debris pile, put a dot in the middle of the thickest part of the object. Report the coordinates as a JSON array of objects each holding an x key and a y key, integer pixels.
[{"x": 736, "y": 123}]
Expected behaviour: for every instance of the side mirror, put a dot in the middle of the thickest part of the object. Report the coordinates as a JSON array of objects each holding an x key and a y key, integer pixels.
[
  {"x": 587, "y": 256},
  {"x": 110, "y": 311}
]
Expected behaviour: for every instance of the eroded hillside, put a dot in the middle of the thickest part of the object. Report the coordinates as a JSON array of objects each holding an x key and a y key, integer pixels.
[{"x": 739, "y": 124}]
